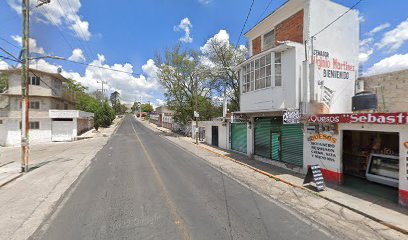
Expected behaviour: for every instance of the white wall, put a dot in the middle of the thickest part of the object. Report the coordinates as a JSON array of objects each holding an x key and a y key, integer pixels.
[
  {"x": 223, "y": 132},
  {"x": 12, "y": 132},
  {"x": 279, "y": 97},
  {"x": 341, "y": 41}
]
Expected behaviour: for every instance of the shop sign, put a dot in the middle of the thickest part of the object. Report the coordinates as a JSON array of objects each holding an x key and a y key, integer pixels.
[
  {"x": 314, "y": 174},
  {"x": 291, "y": 117},
  {"x": 323, "y": 150},
  {"x": 332, "y": 67},
  {"x": 372, "y": 118}
]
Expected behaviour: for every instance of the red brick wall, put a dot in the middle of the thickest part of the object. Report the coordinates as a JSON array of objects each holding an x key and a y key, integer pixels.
[
  {"x": 256, "y": 46},
  {"x": 290, "y": 29}
]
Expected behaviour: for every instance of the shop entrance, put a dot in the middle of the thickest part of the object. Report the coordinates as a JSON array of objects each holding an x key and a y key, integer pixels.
[{"x": 371, "y": 162}]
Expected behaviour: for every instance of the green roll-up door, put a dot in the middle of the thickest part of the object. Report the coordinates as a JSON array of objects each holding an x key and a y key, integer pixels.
[
  {"x": 263, "y": 137},
  {"x": 292, "y": 144},
  {"x": 239, "y": 137},
  {"x": 267, "y": 143}
]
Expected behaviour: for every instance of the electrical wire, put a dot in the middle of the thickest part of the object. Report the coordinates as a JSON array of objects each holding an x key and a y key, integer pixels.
[
  {"x": 10, "y": 43},
  {"x": 335, "y": 20},
  {"x": 267, "y": 6},
  {"x": 246, "y": 20}
]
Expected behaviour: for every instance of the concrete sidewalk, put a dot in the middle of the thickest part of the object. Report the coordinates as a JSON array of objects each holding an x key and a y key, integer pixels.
[
  {"x": 349, "y": 216},
  {"x": 27, "y": 201}
]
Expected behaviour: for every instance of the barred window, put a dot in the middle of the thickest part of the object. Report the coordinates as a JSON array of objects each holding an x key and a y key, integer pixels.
[{"x": 278, "y": 69}]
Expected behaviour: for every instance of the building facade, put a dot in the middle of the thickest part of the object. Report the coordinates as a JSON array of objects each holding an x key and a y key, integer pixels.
[
  {"x": 48, "y": 102},
  {"x": 162, "y": 117},
  {"x": 296, "y": 66}
]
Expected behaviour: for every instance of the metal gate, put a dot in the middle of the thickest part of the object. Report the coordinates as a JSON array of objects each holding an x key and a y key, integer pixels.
[
  {"x": 61, "y": 130},
  {"x": 239, "y": 137},
  {"x": 279, "y": 142}
]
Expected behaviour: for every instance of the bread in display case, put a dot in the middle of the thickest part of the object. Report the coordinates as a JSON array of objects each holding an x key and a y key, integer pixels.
[{"x": 383, "y": 169}]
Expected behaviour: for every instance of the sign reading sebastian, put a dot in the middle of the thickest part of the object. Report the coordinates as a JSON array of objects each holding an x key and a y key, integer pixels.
[{"x": 373, "y": 118}]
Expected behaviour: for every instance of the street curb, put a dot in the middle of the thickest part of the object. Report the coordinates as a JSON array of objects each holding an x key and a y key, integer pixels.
[
  {"x": 11, "y": 180},
  {"x": 276, "y": 178}
]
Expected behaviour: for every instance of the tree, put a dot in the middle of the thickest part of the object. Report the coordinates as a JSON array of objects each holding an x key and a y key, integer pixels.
[
  {"x": 146, "y": 107},
  {"x": 115, "y": 101},
  {"x": 221, "y": 57},
  {"x": 186, "y": 82},
  {"x": 3, "y": 83},
  {"x": 103, "y": 112},
  {"x": 135, "y": 107}
]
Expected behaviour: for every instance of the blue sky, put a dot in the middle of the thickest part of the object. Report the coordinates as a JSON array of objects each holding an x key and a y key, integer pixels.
[{"x": 127, "y": 33}]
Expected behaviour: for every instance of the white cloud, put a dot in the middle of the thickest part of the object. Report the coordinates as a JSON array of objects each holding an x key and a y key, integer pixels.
[
  {"x": 34, "y": 48},
  {"x": 204, "y": 2},
  {"x": 65, "y": 12},
  {"x": 394, "y": 39},
  {"x": 379, "y": 28},
  {"x": 130, "y": 87},
  {"x": 77, "y": 55},
  {"x": 159, "y": 102},
  {"x": 3, "y": 65},
  {"x": 366, "y": 49},
  {"x": 389, "y": 64},
  {"x": 185, "y": 25},
  {"x": 361, "y": 17},
  {"x": 222, "y": 36}
]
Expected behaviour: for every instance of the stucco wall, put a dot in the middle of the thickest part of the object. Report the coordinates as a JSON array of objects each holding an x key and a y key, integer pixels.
[{"x": 12, "y": 134}]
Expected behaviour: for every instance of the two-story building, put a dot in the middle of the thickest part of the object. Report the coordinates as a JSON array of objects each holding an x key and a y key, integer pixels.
[
  {"x": 51, "y": 107},
  {"x": 301, "y": 60}
]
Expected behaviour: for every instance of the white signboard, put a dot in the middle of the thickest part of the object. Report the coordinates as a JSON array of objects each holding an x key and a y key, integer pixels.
[{"x": 291, "y": 117}]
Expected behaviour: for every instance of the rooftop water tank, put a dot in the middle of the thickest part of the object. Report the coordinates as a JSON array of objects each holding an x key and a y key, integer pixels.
[{"x": 364, "y": 101}]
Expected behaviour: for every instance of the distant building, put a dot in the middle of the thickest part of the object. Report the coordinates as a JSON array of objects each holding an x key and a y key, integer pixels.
[
  {"x": 162, "y": 117},
  {"x": 390, "y": 88},
  {"x": 52, "y": 109}
]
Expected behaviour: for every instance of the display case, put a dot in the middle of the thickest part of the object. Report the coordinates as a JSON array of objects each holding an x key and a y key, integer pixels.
[{"x": 383, "y": 169}]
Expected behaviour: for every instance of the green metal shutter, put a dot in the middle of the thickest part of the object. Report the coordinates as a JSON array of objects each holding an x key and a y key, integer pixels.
[
  {"x": 239, "y": 137},
  {"x": 292, "y": 144},
  {"x": 262, "y": 137}
]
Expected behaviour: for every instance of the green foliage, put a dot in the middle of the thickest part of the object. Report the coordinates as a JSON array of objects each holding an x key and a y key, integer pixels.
[
  {"x": 3, "y": 83},
  {"x": 103, "y": 112},
  {"x": 146, "y": 107},
  {"x": 135, "y": 107}
]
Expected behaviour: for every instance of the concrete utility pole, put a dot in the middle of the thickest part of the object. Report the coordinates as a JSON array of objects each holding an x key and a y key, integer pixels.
[
  {"x": 25, "y": 77},
  {"x": 25, "y": 82},
  {"x": 102, "y": 89}
]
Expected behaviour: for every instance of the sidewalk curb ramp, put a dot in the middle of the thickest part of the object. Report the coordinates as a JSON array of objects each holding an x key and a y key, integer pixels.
[{"x": 276, "y": 178}]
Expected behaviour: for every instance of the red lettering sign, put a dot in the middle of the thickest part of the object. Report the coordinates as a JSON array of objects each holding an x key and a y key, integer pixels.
[{"x": 372, "y": 118}]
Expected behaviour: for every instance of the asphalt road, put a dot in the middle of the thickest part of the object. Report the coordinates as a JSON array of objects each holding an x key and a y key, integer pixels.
[{"x": 141, "y": 186}]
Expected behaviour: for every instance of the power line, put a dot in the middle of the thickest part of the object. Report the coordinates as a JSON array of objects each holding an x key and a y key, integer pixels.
[
  {"x": 10, "y": 43},
  {"x": 82, "y": 32},
  {"x": 243, "y": 27},
  {"x": 335, "y": 20},
  {"x": 96, "y": 66},
  {"x": 8, "y": 53},
  {"x": 267, "y": 6}
]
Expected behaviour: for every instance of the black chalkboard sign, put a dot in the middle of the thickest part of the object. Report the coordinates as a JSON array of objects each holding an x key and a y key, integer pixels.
[{"x": 314, "y": 174}]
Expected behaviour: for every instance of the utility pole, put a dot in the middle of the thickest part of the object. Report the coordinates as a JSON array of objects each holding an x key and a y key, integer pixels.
[
  {"x": 197, "y": 130},
  {"x": 102, "y": 89},
  {"x": 25, "y": 76},
  {"x": 25, "y": 82}
]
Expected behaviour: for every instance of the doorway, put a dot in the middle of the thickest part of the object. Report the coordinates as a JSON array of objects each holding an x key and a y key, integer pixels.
[
  {"x": 214, "y": 136},
  {"x": 371, "y": 162}
]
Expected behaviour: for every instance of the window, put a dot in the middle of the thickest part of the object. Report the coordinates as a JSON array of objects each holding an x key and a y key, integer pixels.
[
  {"x": 34, "y": 80},
  {"x": 1, "y": 121},
  {"x": 34, "y": 105},
  {"x": 257, "y": 74},
  {"x": 269, "y": 40},
  {"x": 33, "y": 125},
  {"x": 278, "y": 69}
]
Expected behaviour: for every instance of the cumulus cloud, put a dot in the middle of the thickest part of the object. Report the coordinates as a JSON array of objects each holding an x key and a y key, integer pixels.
[
  {"x": 366, "y": 49},
  {"x": 129, "y": 86},
  {"x": 3, "y": 65},
  {"x": 34, "y": 48},
  {"x": 77, "y": 55},
  {"x": 185, "y": 25},
  {"x": 394, "y": 39},
  {"x": 58, "y": 13},
  {"x": 389, "y": 64},
  {"x": 379, "y": 28}
]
